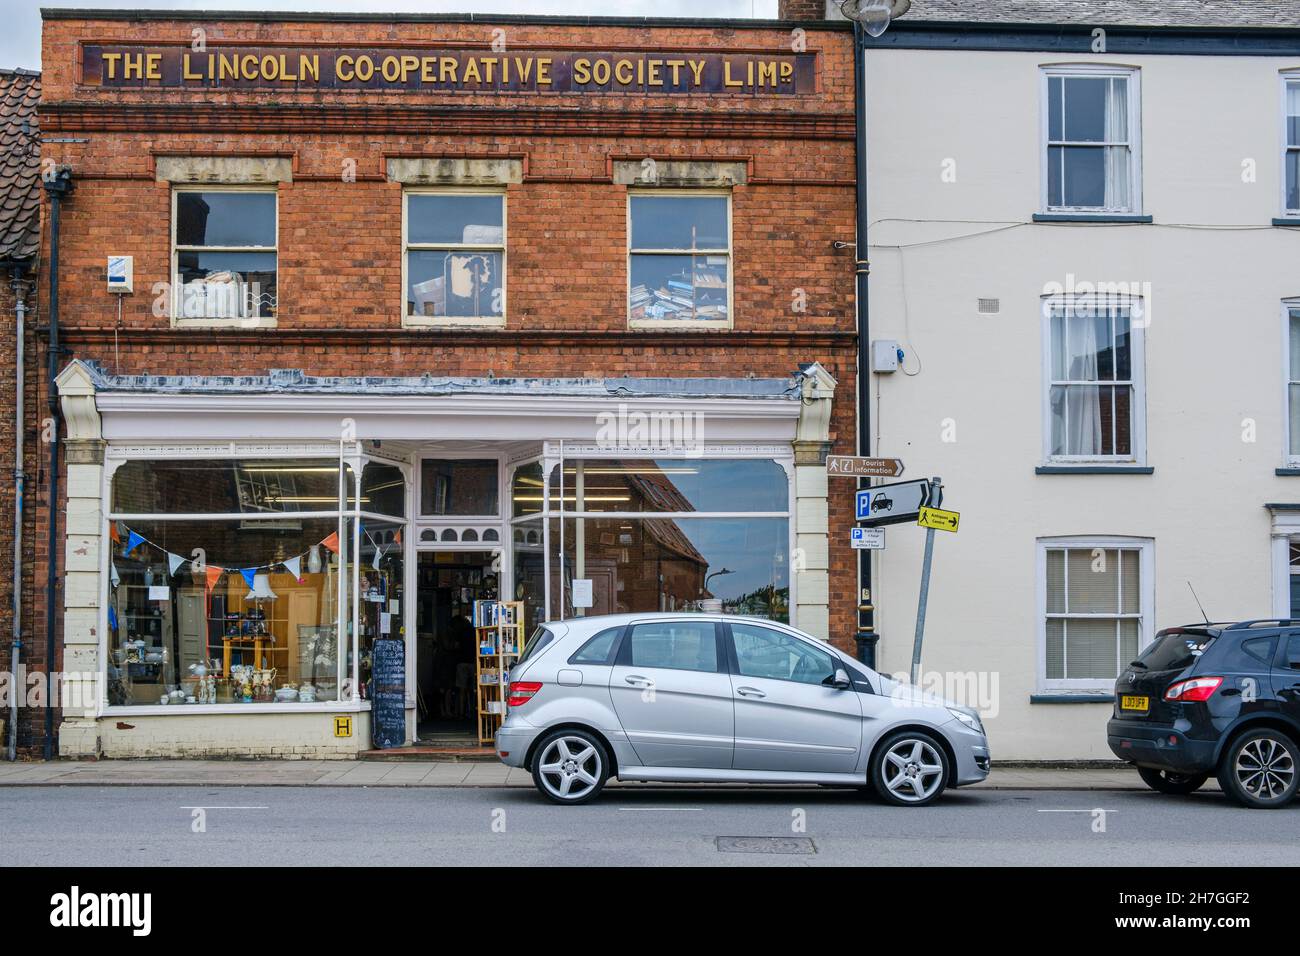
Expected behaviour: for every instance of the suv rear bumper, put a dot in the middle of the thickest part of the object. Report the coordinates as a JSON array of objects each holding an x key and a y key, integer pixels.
[{"x": 1160, "y": 746}]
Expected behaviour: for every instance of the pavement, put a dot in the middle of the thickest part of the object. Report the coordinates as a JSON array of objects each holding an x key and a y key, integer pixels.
[
  {"x": 430, "y": 773},
  {"x": 107, "y": 826}
]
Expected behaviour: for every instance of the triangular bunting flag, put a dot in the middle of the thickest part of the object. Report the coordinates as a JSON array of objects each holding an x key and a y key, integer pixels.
[
  {"x": 213, "y": 576},
  {"x": 332, "y": 542},
  {"x": 174, "y": 561},
  {"x": 112, "y": 532},
  {"x": 112, "y": 617},
  {"x": 294, "y": 567},
  {"x": 250, "y": 574},
  {"x": 133, "y": 541},
  {"x": 113, "y": 576}
]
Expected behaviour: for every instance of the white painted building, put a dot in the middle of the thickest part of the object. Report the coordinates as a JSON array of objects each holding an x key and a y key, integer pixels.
[{"x": 1104, "y": 451}]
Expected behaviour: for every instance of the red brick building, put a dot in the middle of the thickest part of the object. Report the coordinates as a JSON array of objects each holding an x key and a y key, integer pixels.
[{"x": 422, "y": 313}]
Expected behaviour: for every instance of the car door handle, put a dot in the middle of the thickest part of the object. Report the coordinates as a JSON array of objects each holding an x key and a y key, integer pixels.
[
  {"x": 750, "y": 692},
  {"x": 637, "y": 680}
]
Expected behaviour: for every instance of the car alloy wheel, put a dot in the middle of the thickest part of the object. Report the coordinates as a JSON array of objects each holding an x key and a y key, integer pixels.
[
  {"x": 1259, "y": 770},
  {"x": 911, "y": 769},
  {"x": 570, "y": 767}
]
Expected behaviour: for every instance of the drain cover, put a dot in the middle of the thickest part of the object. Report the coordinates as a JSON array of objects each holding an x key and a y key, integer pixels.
[{"x": 750, "y": 844}]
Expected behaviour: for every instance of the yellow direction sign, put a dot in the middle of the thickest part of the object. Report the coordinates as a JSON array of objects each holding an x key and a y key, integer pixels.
[{"x": 938, "y": 519}]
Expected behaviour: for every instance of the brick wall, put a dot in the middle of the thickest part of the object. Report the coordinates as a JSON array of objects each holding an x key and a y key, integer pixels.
[
  {"x": 340, "y": 242},
  {"x": 801, "y": 9}
]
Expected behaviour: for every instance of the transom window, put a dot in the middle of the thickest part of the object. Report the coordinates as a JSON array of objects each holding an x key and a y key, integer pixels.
[
  {"x": 1091, "y": 141},
  {"x": 679, "y": 259},
  {"x": 1094, "y": 395},
  {"x": 455, "y": 258},
  {"x": 224, "y": 254},
  {"x": 1097, "y": 610}
]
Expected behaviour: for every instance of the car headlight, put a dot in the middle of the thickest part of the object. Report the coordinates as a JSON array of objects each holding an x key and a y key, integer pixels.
[{"x": 969, "y": 718}]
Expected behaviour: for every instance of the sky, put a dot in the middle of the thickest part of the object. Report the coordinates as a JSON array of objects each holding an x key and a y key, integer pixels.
[{"x": 20, "y": 40}]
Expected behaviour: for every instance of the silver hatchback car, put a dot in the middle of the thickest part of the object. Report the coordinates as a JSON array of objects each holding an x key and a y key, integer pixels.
[{"x": 723, "y": 698}]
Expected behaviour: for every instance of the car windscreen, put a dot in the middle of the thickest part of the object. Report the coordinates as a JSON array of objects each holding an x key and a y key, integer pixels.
[{"x": 1175, "y": 650}]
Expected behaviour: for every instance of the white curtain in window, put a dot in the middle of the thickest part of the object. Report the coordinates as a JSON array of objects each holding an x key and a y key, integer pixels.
[
  {"x": 1083, "y": 402},
  {"x": 1117, "y": 157}
]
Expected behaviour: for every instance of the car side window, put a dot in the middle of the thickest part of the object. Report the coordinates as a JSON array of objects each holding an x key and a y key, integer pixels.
[
  {"x": 1292, "y": 659},
  {"x": 678, "y": 645},
  {"x": 763, "y": 652},
  {"x": 599, "y": 649}
]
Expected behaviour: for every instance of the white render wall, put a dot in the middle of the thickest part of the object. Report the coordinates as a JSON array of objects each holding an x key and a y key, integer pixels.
[{"x": 1214, "y": 356}]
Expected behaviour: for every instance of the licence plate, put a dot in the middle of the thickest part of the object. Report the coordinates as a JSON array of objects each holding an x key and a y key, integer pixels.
[{"x": 1134, "y": 703}]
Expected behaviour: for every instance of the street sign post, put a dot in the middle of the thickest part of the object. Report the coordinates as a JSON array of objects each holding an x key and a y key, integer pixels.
[
  {"x": 854, "y": 466},
  {"x": 868, "y": 539},
  {"x": 936, "y": 496},
  {"x": 897, "y": 503}
]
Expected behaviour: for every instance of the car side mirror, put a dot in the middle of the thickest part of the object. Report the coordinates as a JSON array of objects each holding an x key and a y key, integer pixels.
[{"x": 840, "y": 681}]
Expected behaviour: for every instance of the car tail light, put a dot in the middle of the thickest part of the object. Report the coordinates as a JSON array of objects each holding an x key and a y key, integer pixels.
[
  {"x": 522, "y": 691},
  {"x": 1198, "y": 688}
]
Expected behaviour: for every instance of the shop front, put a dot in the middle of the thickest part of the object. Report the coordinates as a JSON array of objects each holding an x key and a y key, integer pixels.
[{"x": 242, "y": 586}]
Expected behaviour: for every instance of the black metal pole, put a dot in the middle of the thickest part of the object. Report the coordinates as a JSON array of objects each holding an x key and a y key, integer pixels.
[
  {"x": 58, "y": 186},
  {"x": 866, "y": 636}
]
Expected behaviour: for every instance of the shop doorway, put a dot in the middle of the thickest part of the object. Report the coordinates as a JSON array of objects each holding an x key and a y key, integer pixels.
[{"x": 447, "y": 585}]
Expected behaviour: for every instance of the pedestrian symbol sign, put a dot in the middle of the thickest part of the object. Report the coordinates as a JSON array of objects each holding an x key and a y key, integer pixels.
[{"x": 938, "y": 519}]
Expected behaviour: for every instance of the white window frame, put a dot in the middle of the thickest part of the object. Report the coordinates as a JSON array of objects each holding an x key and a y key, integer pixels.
[
  {"x": 1134, "y": 143},
  {"x": 1286, "y": 77},
  {"x": 1290, "y": 456},
  {"x": 454, "y": 321},
  {"x": 1138, "y": 320},
  {"x": 1146, "y": 605},
  {"x": 177, "y": 293},
  {"x": 731, "y": 262}
]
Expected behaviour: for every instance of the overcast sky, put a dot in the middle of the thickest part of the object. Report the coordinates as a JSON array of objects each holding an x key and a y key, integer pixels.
[{"x": 20, "y": 39}]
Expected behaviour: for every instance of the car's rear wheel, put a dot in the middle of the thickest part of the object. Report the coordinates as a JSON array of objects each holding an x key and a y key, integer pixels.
[
  {"x": 1259, "y": 769},
  {"x": 1166, "y": 781},
  {"x": 910, "y": 769},
  {"x": 570, "y": 767}
]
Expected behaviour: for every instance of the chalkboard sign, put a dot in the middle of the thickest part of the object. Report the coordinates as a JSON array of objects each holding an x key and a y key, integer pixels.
[{"x": 388, "y": 693}]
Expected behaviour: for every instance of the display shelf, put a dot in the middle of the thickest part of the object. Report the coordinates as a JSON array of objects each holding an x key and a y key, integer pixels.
[{"x": 499, "y": 640}]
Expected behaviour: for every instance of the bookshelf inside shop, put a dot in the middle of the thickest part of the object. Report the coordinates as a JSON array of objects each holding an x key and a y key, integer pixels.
[{"x": 499, "y": 633}]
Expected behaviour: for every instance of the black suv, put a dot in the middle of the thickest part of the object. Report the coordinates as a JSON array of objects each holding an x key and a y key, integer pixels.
[{"x": 1219, "y": 699}]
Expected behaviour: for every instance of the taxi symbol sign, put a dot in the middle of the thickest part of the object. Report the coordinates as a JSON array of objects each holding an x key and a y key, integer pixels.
[
  {"x": 938, "y": 519},
  {"x": 342, "y": 726}
]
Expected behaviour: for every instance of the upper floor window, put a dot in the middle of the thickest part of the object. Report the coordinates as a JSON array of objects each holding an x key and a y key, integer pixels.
[
  {"x": 1095, "y": 395},
  {"x": 224, "y": 254},
  {"x": 1092, "y": 134},
  {"x": 455, "y": 258},
  {"x": 1293, "y": 383},
  {"x": 679, "y": 259},
  {"x": 1291, "y": 146}
]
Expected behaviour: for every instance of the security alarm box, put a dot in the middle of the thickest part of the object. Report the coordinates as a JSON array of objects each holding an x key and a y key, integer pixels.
[
  {"x": 884, "y": 355},
  {"x": 121, "y": 273}
]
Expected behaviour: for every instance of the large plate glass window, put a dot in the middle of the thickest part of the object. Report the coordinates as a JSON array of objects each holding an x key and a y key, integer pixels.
[
  {"x": 455, "y": 258},
  {"x": 226, "y": 261},
  {"x": 1095, "y": 403},
  {"x": 679, "y": 259},
  {"x": 1096, "y": 613},
  {"x": 1091, "y": 149}
]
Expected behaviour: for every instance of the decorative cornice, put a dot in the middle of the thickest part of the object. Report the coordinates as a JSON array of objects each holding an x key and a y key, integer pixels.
[
  {"x": 463, "y": 338},
  {"x": 338, "y": 118}
]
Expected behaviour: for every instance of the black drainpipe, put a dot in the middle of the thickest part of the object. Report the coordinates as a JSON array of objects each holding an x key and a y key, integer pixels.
[
  {"x": 58, "y": 185},
  {"x": 866, "y": 637}
]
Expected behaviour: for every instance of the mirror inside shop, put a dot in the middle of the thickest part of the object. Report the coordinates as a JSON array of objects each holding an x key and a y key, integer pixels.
[{"x": 185, "y": 631}]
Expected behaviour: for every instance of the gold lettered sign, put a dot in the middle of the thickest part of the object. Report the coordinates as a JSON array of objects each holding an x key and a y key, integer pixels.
[{"x": 439, "y": 70}]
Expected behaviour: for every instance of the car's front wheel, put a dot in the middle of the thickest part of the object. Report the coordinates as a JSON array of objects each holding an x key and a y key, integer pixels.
[
  {"x": 1258, "y": 769},
  {"x": 910, "y": 769},
  {"x": 570, "y": 767},
  {"x": 1166, "y": 781}
]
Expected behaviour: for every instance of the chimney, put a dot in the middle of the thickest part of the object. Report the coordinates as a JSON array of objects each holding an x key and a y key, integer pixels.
[{"x": 801, "y": 9}]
